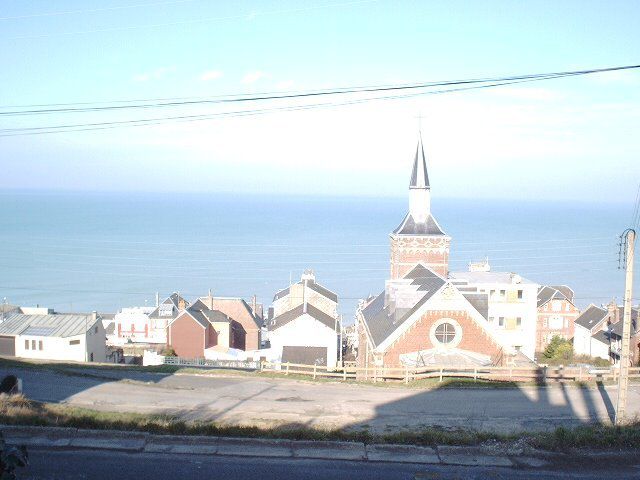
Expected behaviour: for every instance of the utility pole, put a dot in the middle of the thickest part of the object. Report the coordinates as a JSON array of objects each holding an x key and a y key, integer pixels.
[{"x": 629, "y": 238}]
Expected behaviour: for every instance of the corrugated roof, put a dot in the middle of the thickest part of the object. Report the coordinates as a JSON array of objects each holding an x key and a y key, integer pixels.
[{"x": 56, "y": 325}]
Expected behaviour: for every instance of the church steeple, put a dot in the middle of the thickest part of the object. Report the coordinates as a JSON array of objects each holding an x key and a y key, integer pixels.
[
  {"x": 419, "y": 176},
  {"x": 419, "y": 189}
]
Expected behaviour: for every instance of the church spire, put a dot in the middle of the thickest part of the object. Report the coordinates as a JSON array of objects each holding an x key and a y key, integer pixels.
[
  {"x": 419, "y": 189},
  {"x": 419, "y": 176}
]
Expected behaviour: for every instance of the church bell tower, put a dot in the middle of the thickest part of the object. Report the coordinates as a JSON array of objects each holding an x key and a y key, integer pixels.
[{"x": 419, "y": 238}]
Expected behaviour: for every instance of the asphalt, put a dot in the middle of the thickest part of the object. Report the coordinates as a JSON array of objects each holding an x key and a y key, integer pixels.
[
  {"x": 269, "y": 402},
  {"x": 99, "y": 465},
  {"x": 62, "y": 453}
]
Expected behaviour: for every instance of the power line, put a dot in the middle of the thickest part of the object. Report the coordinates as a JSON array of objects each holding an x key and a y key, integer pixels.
[{"x": 322, "y": 93}]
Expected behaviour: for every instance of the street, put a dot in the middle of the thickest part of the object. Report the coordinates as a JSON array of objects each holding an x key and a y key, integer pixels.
[{"x": 101, "y": 465}]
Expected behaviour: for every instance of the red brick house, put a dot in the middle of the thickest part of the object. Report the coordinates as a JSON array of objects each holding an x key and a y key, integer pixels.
[
  {"x": 556, "y": 315},
  {"x": 198, "y": 328},
  {"x": 245, "y": 317}
]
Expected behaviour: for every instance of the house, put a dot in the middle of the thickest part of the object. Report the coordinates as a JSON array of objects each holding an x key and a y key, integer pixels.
[
  {"x": 587, "y": 337},
  {"x": 615, "y": 338},
  {"x": 198, "y": 328},
  {"x": 427, "y": 316},
  {"x": 133, "y": 325},
  {"x": 512, "y": 312},
  {"x": 556, "y": 314},
  {"x": 164, "y": 313},
  {"x": 305, "y": 291},
  {"x": 305, "y": 335},
  {"x": 244, "y": 315},
  {"x": 54, "y": 336}
]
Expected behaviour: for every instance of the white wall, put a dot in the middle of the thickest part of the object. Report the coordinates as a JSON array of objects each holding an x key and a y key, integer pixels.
[
  {"x": 61, "y": 348},
  {"x": 582, "y": 340},
  {"x": 305, "y": 331},
  {"x": 138, "y": 317}
]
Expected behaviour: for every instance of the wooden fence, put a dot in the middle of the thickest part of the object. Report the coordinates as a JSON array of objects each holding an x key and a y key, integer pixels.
[{"x": 542, "y": 374}]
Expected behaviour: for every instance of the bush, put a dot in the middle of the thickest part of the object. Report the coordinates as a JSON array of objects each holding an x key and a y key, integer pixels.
[
  {"x": 168, "y": 351},
  {"x": 558, "y": 350}
]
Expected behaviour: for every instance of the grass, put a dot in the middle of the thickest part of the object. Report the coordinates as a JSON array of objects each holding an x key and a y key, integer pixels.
[
  {"x": 17, "y": 410},
  {"x": 98, "y": 371}
]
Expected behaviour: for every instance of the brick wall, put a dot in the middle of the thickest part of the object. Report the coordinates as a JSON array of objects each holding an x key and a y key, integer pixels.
[
  {"x": 187, "y": 337},
  {"x": 567, "y": 312},
  {"x": 407, "y": 251},
  {"x": 474, "y": 338}
]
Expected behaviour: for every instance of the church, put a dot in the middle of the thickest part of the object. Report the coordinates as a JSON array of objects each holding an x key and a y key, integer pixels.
[{"x": 427, "y": 315}]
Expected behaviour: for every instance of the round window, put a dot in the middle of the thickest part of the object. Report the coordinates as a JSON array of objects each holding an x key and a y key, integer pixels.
[{"x": 445, "y": 333}]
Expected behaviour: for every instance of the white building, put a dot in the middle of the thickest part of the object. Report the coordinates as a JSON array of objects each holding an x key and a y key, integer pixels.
[
  {"x": 132, "y": 325},
  {"x": 54, "y": 336},
  {"x": 512, "y": 304},
  {"x": 305, "y": 335},
  {"x": 589, "y": 335}
]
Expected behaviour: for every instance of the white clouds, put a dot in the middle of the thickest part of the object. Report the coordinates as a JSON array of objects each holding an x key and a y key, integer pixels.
[
  {"x": 210, "y": 75},
  {"x": 253, "y": 77},
  {"x": 156, "y": 74}
]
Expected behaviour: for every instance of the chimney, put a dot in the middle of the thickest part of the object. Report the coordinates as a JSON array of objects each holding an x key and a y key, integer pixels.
[
  {"x": 304, "y": 296},
  {"x": 254, "y": 305},
  {"x": 94, "y": 316},
  {"x": 614, "y": 312},
  {"x": 181, "y": 304}
]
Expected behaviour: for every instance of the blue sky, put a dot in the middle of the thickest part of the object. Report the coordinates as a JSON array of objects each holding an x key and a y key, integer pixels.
[{"x": 572, "y": 139}]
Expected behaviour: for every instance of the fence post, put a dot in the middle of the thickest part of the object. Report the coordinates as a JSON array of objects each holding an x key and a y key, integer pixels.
[
  {"x": 580, "y": 373},
  {"x": 406, "y": 374},
  {"x": 475, "y": 374},
  {"x": 441, "y": 369},
  {"x": 314, "y": 370},
  {"x": 287, "y": 372},
  {"x": 375, "y": 374},
  {"x": 544, "y": 374},
  {"x": 344, "y": 372},
  {"x": 510, "y": 374}
]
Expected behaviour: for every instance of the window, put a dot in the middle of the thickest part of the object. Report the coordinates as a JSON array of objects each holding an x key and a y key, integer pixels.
[
  {"x": 520, "y": 292},
  {"x": 40, "y": 345},
  {"x": 518, "y": 321},
  {"x": 74, "y": 342},
  {"x": 501, "y": 321},
  {"x": 26, "y": 344},
  {"x": 33, "y": 344},
  {"x": 492, "y": 319},
  {"x": 503, "y": 294},
  {"x": 556, "y": 306},
  {"x": 91, "y": 357},
  {"x": 445, "y": 333}
]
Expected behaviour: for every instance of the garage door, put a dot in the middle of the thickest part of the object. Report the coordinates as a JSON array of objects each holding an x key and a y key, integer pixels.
[
  {"x": 8, "y": 346},
  {"x": 305, "y": 355}
]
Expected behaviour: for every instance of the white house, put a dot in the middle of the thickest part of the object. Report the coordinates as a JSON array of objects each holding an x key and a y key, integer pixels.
[
  {"x": 54, "y": 336},
  {"x": 134, "y": 325},
  {"x": 305, "y": 335},
  {"x": 512, "y": 304},
  {"x": 589, "y": 335}
]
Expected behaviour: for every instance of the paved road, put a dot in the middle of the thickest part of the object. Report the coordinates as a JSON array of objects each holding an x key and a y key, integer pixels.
[
  {"x": 95, "y": 465},
  {"x": 247, "y": 400}
]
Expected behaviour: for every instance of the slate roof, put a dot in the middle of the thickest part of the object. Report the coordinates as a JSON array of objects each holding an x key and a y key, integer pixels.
[
  {"x": 547, "y": 293},
  {"x": 480, "y": 302},
  {"x": 204, "y": 316},
  {"x": 616, "y": 328},
  {"x": 591, "y": 317},
  {"x": 419, "y": 175},
  {"x": 51, "y": 325},
  {"x": 297, "y": 312},
  {"x": 410, "y": 227},
  {"x": 236, "y": 308},
  {"x": 173, "y": 299},
  {"x": 602, "y": 336},
  {"x": 383, "y": 319},
  {"x": 316, "y": 287}
]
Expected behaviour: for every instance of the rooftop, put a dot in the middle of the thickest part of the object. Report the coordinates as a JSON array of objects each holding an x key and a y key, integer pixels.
[{"x": 51, "y": 325}]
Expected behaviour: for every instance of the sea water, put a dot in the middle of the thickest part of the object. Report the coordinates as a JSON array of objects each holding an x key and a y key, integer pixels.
[{"x": 78, "y": 252}]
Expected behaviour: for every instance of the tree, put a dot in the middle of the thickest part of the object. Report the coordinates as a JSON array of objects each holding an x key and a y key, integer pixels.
[{"x": 559, "y": 349}]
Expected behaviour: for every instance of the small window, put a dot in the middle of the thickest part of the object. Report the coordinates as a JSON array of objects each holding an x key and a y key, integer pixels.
[
  {"x": 501, "y": 321},
  {"x": 445, "y": 333},
  {"x": 33, "y": 344},
  {"x": 492, "y": 319},
  {"x": 518, "y": 321},
  {"x": 74, "y": 342},
  {"x": 40, "y": 345},
  {"x": 26, "y": 344},
  {"x": 520, "y": 292}
]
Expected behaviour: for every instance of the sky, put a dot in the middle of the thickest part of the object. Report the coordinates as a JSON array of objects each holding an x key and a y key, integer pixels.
[{"x": 564, "y": 139}]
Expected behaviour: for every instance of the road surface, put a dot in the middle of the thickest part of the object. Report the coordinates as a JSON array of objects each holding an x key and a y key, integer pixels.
[{"x": 262, "y": 401}]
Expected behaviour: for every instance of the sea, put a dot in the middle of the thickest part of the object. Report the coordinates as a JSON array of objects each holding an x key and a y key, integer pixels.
[{"x": 86, "y": 251}]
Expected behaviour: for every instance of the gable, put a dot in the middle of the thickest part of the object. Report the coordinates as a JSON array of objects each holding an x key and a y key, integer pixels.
[
  {"x": 447, "y": 299},
  {"x": 185, "y": 318}
]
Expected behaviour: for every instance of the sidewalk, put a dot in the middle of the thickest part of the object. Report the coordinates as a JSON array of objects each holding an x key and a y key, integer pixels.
[{"x": 138, "y": 442}]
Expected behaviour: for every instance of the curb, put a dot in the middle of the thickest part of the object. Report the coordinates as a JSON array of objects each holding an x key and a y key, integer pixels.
[{"x": 140, "y": 442}]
